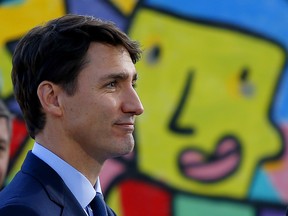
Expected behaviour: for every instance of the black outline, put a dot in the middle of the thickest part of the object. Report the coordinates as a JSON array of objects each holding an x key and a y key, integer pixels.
[{"x": 174, "y": 124}]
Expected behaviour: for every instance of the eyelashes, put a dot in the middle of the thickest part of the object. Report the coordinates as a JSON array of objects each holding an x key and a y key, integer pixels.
[{"x": 115, "y": 83}]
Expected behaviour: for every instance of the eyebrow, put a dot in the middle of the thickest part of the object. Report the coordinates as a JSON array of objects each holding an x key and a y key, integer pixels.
[{"x": 119, "y": 76}]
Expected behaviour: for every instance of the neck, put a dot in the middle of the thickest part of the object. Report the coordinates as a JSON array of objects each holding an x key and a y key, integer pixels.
[{"x": 73, "y": 154}]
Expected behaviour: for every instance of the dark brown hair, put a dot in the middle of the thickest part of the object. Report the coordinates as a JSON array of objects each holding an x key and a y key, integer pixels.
[{"x": 56, "y": 52}]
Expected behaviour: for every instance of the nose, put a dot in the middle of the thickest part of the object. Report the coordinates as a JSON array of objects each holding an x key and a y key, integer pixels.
[{"x": 132, "y": 103}]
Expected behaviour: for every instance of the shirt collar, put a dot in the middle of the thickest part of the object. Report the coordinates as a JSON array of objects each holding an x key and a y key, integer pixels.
[{"x": 78, "y": 184}]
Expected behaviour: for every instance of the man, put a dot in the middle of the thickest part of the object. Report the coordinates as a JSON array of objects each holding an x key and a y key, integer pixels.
[
  {"x": 5, "y": 136},
  {"x": 74, "y": 81}
]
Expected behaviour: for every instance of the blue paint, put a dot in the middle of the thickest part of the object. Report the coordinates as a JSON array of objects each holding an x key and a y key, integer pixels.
[
  {"x": 262, "y": 189},
  {"x": 98, "y": 8}
]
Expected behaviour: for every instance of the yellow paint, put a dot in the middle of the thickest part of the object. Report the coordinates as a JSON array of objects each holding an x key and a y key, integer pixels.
[
  {"x": 17, "y": 19},
  {"x": 19, "y": 160},
  {"x": 6, "y": 87},
  {"x": 113, "y": 201},
  {"x": 217, "y": 106}
]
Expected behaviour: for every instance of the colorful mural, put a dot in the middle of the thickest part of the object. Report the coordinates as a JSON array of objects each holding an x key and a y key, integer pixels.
[{"x": 214, "y": 84}]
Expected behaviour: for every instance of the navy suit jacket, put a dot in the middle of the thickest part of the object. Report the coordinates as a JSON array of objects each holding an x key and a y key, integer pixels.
[{"x": 37, "y": 190}]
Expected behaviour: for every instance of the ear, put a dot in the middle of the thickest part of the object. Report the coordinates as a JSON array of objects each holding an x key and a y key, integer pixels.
[{"x": 48, "y": 95}]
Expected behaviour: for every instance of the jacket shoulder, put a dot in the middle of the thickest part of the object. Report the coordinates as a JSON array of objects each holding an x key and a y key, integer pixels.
[{"x": 15, "y": 210}]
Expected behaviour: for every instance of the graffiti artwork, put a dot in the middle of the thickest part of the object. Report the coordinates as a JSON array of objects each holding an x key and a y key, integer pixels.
[{"x": 213, "y": 79}]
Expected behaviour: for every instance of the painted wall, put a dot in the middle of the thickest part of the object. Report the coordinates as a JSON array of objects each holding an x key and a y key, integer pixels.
[{"x": 214, "y": 84}]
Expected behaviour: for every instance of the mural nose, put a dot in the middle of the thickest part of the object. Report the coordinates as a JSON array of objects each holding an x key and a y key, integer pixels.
[{"x": 174, "y": 124}]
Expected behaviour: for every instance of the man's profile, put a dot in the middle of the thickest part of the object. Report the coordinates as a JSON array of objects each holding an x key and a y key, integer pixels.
[{"x": 74, "y": 80}]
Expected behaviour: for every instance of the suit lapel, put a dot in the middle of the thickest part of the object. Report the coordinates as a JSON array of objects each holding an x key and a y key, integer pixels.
[{"x": 56, "y": 189}]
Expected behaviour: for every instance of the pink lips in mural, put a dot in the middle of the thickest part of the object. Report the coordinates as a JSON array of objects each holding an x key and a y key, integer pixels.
[{"x": 210, "y": 168}]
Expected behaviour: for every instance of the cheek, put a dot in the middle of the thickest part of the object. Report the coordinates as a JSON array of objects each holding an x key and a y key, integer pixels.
[
  {"x": 107, "y": 104},
  {"x": 105, "y": 114},
  {"x": 3, "y": 163}
]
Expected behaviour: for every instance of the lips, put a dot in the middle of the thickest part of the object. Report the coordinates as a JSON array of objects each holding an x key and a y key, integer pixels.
[
  {"x": 199, "y": 166},
  {"x": 126, "y": 126},
  {"x": 125, "y": 121}
]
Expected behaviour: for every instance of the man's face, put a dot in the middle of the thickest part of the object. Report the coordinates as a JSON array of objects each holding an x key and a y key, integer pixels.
[
  {"x": 4, "y": 148},
  {"x": 101, "y": 114}
]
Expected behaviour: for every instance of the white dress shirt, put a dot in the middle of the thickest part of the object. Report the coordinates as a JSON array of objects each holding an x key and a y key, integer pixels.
[{"x": 78, "y": 184}]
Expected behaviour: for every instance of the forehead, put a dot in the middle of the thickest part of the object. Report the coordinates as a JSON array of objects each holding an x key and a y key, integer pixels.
[
  {"x": 102, "y": 52},
  {"x": 103, "y": 59}
]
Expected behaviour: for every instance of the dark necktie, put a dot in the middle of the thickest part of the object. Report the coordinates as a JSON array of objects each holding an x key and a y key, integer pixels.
[{"x": 98, "y": 205}]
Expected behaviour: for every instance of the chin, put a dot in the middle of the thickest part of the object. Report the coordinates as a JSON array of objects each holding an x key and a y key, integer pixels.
[
  {"x": 122, "y": 147},
  {"x": 129, "y": 149},
  {"x": 126, "y": 149}
]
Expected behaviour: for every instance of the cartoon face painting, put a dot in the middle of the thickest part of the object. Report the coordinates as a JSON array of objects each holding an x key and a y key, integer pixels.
[{"x": 208, "y": 95}]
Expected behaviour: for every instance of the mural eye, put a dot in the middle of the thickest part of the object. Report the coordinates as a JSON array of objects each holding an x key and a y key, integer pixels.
[
  {"x": 153, "y": 54},
  {"x": 247, "y": 88}
]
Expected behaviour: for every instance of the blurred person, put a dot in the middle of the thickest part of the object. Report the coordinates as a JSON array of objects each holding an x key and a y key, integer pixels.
[
  {"x": 5, "y": 137},
  {"x": 74, "y": 80}
]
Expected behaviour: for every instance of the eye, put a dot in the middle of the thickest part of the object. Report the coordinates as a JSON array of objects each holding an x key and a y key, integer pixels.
[
  {"x": 247, "y": 88},
  {"x": 112, "y": 84},
  {"x": 3, "y": 146},
  {"x": 154, "y": 54},
  {"x": 244, "y": 75}
]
